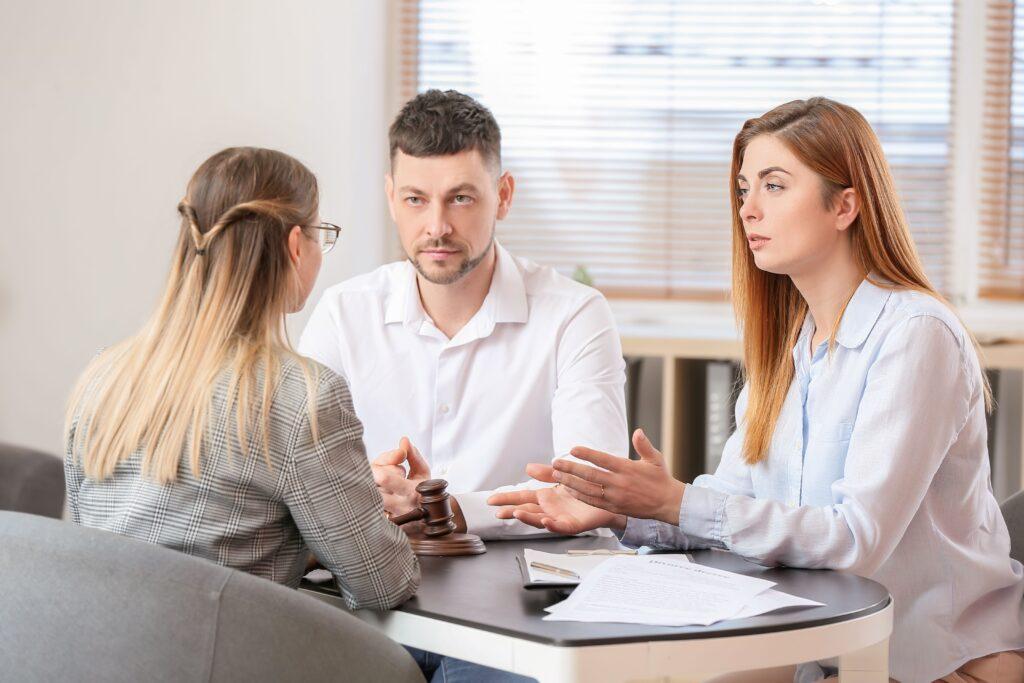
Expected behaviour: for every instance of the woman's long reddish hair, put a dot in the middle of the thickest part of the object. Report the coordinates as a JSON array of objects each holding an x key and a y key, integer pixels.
[{"x": 836, "y": 142}]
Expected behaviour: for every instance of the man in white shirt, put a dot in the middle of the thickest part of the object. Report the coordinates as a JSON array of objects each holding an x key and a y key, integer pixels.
[{"x": 484, "y": 361}]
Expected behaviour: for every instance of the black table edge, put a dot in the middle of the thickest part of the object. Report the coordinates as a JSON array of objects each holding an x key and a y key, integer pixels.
[{"x": 330, "y": 589}]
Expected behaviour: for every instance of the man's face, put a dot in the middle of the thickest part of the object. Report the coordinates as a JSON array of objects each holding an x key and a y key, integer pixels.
[{"x": 446, "y": 208}]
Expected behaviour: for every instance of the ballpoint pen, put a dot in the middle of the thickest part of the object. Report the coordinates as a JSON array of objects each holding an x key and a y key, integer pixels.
[
  {"x": 602, "y": 551},
  {"x": 554, "y": 570}
]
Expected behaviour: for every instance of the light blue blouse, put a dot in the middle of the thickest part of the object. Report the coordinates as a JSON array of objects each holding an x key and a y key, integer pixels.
[{"x": 878, "y": 466}]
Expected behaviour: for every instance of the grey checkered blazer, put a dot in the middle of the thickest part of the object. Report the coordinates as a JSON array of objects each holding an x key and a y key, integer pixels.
[{"x": 317, "y": 497}]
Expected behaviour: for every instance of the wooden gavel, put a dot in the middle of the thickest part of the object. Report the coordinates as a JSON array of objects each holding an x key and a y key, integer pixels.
[{"x": 438, "y": 535}]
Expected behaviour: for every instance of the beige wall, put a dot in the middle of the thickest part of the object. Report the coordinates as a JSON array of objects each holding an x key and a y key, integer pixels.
[{"x": 109, "y": 106}]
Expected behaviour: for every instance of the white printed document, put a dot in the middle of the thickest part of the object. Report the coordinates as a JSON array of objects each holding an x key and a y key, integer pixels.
[
  {"x": 771, "y": 600},
  {"x": 666, "y": 591},
  {"x": 580, "y": 565}
]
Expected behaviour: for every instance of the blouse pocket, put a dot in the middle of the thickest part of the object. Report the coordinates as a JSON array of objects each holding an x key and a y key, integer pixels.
[
  {"x": 836, "y": 433},
  {"x": 825, "y": 463}
]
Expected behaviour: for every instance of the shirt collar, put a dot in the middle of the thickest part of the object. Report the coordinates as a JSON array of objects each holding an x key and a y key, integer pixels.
[
  {"x": 508, "y": 291},
  {"x": 403, "y": 302},
  {"x": 858, "y": 320},
  {"x": 505, "y": 301},
  {"x": 862, "y": 312}
]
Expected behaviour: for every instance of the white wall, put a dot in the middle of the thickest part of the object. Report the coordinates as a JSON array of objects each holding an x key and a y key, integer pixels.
[{"x": 109, "y": 106}]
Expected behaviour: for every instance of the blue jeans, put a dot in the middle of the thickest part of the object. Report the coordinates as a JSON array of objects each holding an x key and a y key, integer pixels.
[{"x": 440, "y": 669}]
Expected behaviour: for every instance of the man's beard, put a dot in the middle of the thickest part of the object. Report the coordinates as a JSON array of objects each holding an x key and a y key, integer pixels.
[{"x": 462, "y": 271}]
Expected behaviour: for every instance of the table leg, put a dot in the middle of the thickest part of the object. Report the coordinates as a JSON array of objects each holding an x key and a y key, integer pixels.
[{"x": 870, "y": 665}]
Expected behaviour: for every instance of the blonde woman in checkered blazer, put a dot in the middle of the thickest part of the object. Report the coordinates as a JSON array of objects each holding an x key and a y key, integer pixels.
[{"x": 204, "y": 432}]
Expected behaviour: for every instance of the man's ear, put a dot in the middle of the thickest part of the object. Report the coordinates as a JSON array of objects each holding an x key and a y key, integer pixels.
[
  {"x": 389, "y": 192},
  {"x": 506, "y": 188},
  {"x": 847, "y": 208}
]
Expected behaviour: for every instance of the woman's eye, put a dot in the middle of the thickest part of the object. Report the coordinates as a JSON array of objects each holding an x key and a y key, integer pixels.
[
  {"x": 741, "y": 192},
  {"x": 772, "y": 187}
]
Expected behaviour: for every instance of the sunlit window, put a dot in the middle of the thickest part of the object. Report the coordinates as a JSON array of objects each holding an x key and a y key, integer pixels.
[{"x": 618, "y": 116}]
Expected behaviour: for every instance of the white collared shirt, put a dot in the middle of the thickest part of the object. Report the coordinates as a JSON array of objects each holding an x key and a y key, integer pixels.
[
  {"x": 536, "y": 371},
  {"x": 879, "y": 466}
]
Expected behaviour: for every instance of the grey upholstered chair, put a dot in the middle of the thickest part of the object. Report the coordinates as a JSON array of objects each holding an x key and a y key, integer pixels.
[
  {"x": 1013, "y": 513},
  {"x": 31, "y": 481},
  {"x": 87, "y": 605}
]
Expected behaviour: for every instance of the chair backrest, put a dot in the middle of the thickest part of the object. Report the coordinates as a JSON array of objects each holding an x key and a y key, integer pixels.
[
  {"x": 31, "y": 481},
  {"x": 1013, "y": 513},
  {"x": 84, "y": 604}
]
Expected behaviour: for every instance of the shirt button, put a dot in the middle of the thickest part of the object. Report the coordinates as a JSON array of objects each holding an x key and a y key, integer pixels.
[{"x": 444, "y": 408}]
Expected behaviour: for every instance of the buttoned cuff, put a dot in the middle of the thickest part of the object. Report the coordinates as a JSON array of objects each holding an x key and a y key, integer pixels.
[
  {"x": 702, "y": 514},
  {"x": 638, "y": 532}
]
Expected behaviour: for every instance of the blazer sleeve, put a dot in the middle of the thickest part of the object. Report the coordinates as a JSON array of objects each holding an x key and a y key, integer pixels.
[{"x": 332, "y": 497}]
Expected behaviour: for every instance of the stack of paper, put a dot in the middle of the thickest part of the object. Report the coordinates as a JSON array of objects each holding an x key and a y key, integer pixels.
[{"x": 668, "y": 591}]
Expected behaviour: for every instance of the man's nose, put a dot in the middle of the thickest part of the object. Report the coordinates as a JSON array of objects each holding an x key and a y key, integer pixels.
[{"x": 437, "y": 222}]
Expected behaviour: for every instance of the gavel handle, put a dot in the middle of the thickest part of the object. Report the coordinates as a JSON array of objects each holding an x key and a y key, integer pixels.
[{"x": 410, "y": 516}]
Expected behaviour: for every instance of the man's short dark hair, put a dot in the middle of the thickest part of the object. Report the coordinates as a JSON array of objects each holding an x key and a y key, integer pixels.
[{"x": 436, "y": 123}]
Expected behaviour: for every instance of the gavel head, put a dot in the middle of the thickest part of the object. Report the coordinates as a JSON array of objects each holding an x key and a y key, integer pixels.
[
  {"x": 437, "y": 537},
  {"x": 437, "y": 508}
]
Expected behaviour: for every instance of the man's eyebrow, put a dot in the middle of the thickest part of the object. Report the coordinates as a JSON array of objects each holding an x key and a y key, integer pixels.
[{"x": 461, "y": 187}]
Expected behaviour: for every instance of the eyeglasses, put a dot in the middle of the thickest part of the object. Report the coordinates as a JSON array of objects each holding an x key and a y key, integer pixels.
[{"x": 328, "y": 235}]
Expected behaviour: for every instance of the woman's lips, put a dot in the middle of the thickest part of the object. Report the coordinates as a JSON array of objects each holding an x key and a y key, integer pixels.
[{"x": 757, "y": 241}]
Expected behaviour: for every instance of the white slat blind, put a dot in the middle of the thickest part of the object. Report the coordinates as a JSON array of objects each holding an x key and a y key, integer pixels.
[
  {"x": 1001, "y": 266},
  {"x": 618, "y": 116}
]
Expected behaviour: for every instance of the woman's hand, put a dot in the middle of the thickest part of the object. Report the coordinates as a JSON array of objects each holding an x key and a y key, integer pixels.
[
  {"x": 552, "y": 508},
  {"x": 641, "y": 488},
  {"x": 398, "y": 487}
]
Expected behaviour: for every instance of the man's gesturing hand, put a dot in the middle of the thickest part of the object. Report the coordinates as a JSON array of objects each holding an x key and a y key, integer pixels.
[{"x": 551, "y": 508}]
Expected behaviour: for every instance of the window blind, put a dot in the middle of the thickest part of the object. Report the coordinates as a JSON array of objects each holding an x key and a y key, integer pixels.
[
  {"x": 1001, "y": 253},
  {"x": 618, "y": 117}
]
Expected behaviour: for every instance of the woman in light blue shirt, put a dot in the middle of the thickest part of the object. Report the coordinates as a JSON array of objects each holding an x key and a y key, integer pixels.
[{"x": 861, "y": 437}]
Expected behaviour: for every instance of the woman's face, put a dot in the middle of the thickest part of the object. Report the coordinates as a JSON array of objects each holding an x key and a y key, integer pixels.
[
  {"x": 307, "y": 256},
  {"x": 789, "y": 227}
]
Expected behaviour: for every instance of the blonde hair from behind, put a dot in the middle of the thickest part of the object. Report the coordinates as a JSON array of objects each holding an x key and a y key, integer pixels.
[
  {"x": 836, "y": 142},
  {"x": 230, "y": 287}
]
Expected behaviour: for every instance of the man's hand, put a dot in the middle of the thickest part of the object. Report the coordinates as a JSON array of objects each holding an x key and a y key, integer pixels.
[
  {"x": 643, "y": 488},
  {"x": 552, "y": 508},
  {"x": 398, "y": 487}
]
